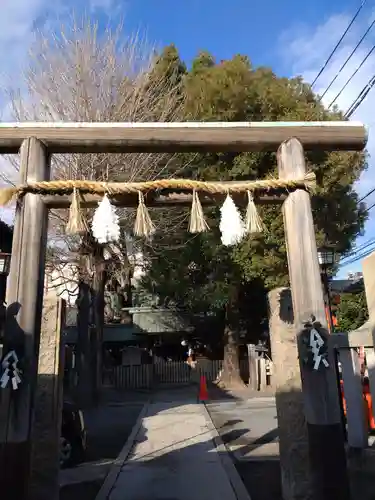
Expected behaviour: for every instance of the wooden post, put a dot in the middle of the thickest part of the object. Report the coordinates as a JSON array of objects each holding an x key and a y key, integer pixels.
[
  {"x": 96, "y": 337},
  {"x": 326, "y": 440},
  {"x": 262, "y": 373},
  {"x": 84, "y": 387},
  {"x": 46, "y": 427},
  {"x": 23, "y": 320},
  {"x": 293, "y": 440},
  {"x": 353, "y": 390},
  {"x": 253, "y": 371},
  {"x": 368, "y": 266}
]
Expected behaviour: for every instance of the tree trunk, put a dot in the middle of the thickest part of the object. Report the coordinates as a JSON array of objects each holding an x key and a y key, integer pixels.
[
  {"x": 83, "y": 357},
  {"x": 90, "y": 323},
  {"x": 96, "y": 337},
  {"x": 230, "y": 377}
]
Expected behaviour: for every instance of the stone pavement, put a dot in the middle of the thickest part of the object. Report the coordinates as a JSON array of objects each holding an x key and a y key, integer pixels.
[{"x": 176, "y": 455}]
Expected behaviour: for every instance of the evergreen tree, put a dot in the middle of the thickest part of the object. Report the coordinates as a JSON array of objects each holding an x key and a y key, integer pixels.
[
  {"x": 352, "y": 311},
  {"x": 233, "y": 90}
]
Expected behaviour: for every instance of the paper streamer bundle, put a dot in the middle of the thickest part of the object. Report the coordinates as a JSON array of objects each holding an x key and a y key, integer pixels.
[
  {"x": 143, "y": 225},
  {"x": 231, "y": 226},
  {"x": 105, "y": 222},
  {"x": 197, "y": 223},
  {"x": 77, "y": 223},
  {"x": 253, "y": 222},
  {"x": 6, "y": 195}
]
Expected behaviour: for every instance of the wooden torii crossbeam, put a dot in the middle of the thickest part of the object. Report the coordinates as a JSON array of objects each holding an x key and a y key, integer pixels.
[
  {"x": 62, "y": 137},
  {"x": 38, "y": 141}
]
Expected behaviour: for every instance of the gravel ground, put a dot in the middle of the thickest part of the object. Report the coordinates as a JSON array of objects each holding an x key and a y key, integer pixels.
[{"x": 108, "y": 427}]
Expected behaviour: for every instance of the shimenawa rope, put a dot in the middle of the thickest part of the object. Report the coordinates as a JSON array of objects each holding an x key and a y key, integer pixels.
[
  {"x": 143, "y": 224},
  {"x": 115, "y": 188}
]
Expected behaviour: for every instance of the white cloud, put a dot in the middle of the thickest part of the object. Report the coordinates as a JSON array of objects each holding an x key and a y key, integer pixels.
[
  {"x": 16, "y": 31},
  {"x": 17, "y": 28},
  {"x": 105, "y": 5},
  {"x": 305, "y": 49}
]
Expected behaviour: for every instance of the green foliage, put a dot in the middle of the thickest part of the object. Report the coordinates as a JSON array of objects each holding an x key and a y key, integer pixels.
[
  {"x": 233, "y": 90},
  {"x": 169, "y": 65},
  {"x": 352, "y": 311}
]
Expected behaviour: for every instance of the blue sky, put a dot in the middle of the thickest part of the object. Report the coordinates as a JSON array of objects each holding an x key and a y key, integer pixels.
[
  {"x": 225, "y": 28},
  {"x": 292, "y": 37}
]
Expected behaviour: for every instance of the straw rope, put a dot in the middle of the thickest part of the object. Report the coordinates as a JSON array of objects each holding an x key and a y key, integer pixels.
[{"x": 114, "y": 188}]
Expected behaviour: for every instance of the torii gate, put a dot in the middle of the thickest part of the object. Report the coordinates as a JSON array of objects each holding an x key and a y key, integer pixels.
[{"x": 38, "y": 141}]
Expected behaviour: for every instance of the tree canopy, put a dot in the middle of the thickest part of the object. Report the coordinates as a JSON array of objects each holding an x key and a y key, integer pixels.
[
  {"x": 197, "y": 271},
  {"x": 352, "y": 311}
]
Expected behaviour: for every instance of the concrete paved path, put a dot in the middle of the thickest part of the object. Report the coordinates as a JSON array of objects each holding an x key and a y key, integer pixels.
[{"x": 175, "y": 457}]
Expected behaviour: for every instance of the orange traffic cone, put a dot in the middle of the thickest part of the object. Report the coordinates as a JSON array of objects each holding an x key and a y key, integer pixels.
[{"x": 203, "y": 393}]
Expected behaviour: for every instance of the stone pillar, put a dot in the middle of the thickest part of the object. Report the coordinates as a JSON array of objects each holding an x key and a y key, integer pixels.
[
  {"x": 293, "y": 437},
  {"x": 46, "y": 425}
]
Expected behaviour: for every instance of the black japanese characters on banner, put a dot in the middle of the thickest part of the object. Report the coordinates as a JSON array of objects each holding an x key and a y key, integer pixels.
[
  {"x": 10, "y": 371},
  {"x": 315, "y": 346}
]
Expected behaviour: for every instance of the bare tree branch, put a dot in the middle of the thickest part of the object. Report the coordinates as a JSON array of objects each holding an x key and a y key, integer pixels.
[{"x": 79, "y": 74}]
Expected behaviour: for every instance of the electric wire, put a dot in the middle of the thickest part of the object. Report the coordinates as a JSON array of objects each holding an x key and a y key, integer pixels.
[
  {"x": 359, "y": 249},
  {"x": 352, "y": 76},
  {"x": 347, "y": 59},
  {"x": 358, "y": 257},
  {"x": 361, "y": 97},
  {"x": 366, "y": 195},
  {"x": 339, "y": 42}
]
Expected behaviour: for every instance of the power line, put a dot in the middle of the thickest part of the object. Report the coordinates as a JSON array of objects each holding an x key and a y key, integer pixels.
[
  {"x": 364, "y": 245},
  {"x": 352, "y": 75},
  {"x": 358, "y": 257},
  {"x": 366, "y": 195},
  {"x": 361, "y": 97},
  {"x": 359, "y": 249},
  {"x": 360, "y": 252},
  {"x": 347, "y": 60},
  {"x": 339, "y": 42},
  {"x": 370, "y": 207}
]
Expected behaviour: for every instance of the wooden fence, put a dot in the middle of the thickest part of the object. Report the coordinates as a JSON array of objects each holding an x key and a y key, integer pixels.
[
  {"x": 348, "y": 348},
  {"x": 172, "y": 372}
]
